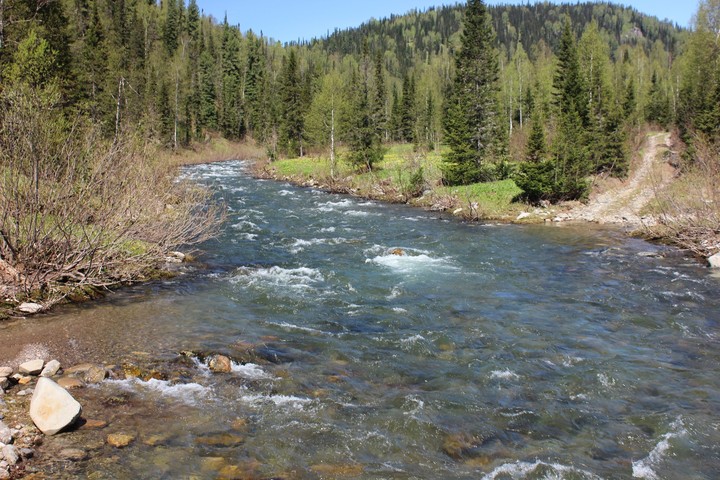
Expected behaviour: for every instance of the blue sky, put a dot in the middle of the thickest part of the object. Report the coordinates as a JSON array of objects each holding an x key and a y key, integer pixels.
[{"x": 289, "y": 20}]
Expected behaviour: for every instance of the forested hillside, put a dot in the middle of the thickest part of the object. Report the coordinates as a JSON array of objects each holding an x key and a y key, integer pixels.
[{"x": 87, "y": 83}]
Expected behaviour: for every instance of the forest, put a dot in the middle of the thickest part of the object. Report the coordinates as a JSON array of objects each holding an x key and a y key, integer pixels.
[{"x": 91, "y": 90}]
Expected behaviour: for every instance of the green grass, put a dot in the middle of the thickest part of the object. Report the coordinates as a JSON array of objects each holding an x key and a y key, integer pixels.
[
  {"x": 492, "y": 197},
  {"x": 391, "y": 176}
]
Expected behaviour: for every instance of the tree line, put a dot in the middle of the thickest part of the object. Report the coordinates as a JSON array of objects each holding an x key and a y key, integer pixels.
[{"x": 565, "y": 85}]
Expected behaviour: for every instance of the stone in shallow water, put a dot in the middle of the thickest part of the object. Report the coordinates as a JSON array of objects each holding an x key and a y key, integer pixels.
[
  {"x": 95, "y": 374},
  {"x": 90, "y": 424},
  {"x": 30, "y": 307},
  {"x": 220, "y": 440},
  {"x": 69, "y": 383},
  {"x": 120, "y": 440},
  {"x": 52, "y": 408},
  {"x": 714, "y": 261},
  {"x": 220, "y": 364},
  {"x": 73, "y": 454},
  {"x": 50, "y": 369},
  {"x": 33, "y": 367}
]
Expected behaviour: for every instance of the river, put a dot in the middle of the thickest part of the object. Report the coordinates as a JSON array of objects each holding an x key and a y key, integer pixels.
[{"x": 378, "y": 341}]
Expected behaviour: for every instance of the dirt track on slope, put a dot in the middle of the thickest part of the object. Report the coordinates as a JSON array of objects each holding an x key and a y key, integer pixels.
[{"x": 622, "y": 202}]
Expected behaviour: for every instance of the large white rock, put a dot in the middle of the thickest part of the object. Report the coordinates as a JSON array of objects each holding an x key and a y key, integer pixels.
[
  {"x": 52, "y": 408},
  {"x": 714, "y": 261},
  {"x": 5, "y": 371},
  {"x": 30, "y": 307},
  {"x": 33, "y": 367}
]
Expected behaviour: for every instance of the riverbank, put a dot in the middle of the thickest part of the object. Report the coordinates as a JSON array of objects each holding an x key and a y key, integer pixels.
[{"x": 637, "y": 204}]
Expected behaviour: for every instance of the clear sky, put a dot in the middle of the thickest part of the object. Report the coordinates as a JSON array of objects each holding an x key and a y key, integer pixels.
[{"x": 290, "y": 20}]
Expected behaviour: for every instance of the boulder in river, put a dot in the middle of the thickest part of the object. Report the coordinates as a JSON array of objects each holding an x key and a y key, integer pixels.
[
  {"x": 52, "y": 408},
  {"x": 714, "y": 261},
  {"x": 220, "y": 364},
  {"x": 95, "y": 374},
  {"x": 33, "y": 367}
]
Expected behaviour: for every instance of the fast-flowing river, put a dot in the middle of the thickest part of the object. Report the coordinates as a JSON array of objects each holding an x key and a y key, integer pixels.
[{"x": 375, "y": 341}]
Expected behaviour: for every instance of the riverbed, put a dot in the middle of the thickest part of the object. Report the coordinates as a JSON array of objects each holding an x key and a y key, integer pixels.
[{"x": 380, "y": 341}]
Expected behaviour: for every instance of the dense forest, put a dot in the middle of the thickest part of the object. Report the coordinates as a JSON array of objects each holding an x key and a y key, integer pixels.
[{"x": 87, "y": 84}]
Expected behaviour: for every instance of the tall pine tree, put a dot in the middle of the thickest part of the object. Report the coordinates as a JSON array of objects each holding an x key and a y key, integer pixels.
[{"x": 470, "y": 117}]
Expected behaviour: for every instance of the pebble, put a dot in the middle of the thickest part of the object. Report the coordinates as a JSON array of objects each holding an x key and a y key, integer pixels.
[
  {"x": 30, "y": 307},
  {"x": 23, "y": 393},
  {"x": 93, "y": 424},
  {"x": 5, "y": 371}
]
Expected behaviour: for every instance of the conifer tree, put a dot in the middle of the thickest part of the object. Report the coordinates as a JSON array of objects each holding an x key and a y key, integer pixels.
[
  {"x": 658, "y": 109},
  {"x": 536, "y": 147},
  {"x": 291, "y": 108},
  {"x": 470, "y": 117},
  {"x": 380, "y": 99}
]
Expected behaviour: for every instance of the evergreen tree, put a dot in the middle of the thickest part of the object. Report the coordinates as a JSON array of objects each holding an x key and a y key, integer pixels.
[
  {"x": 364, "y": 142},
  {"x": 570, "y": 97},
  {"x": 408, "y": 113},
  {"x": 536, "y": 147},
  {"x": 380, "y": 99},
  {"x": 470, "y": 118},
  {"x": 208, "y": 111},
  {"x": 171, "y": 29},
  {"x": 231, "y": 121},
  {"x": 292, "y": 108},
  {"x": 658, "y": 109}
]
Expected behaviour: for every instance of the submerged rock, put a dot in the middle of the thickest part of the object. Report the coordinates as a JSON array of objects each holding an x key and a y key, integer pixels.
[
  {"x": 33, "y": 367},
  {"x": 73, "y": 454},
  {"x": 397, "y": 251},
  {"x": 52, "y": 408},
  {"x": 120, "y": 440},
  {"x": 70, "y": 383}
]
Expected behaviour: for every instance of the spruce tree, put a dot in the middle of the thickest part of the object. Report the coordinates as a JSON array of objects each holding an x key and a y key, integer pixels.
[
  {"x": 291, "y": 108},
  {"x": 470, "y": 117},
  {"x": 536, "y": 147}
]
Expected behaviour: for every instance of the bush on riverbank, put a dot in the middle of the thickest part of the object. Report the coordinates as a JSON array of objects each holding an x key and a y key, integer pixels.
[{"x": 78, "y": 210}]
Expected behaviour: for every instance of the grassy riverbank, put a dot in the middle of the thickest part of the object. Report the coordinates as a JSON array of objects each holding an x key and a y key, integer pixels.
[{"x": 405, "y": 175}]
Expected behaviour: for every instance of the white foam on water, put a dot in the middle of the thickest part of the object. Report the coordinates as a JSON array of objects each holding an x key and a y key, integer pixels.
[
  {"x": 251, "y": 371},
  {"x": 285, "y": 193},
  {"x": 399, "y": 310},
  {"x": 646, "y": 468},
  {"x": 412, "y": 262},
  {"x": 333, "y": 206},
  {"x": 251, "y": 237},
  {"x": 413, "y": 339},
  {"x": 190, "y": 393},
  {"x": 504, "y": 375},
  {"x": 290, "y": 326},
  {"x": 361, "y": 213},
  {"x": 520, "y": 470},
  {"x": 394, "y": 293},
  {"x": 328, "y": 230},
  {"x": 246, "y": 225},
  {"x": 299, "y": 278},
  {"x": 283, "y": 401},
  {"x": 605, "y": 380}
]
